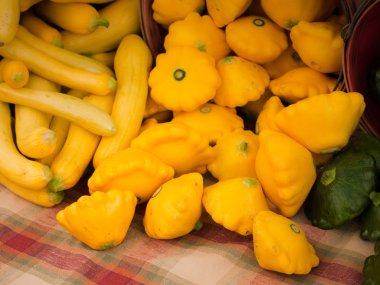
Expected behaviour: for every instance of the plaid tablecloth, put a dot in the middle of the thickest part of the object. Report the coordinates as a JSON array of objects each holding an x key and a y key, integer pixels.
[{"x": 35, "y": 249}]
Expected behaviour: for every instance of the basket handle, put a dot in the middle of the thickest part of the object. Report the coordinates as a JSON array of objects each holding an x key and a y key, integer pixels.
[{"x": 352, "y": 11}]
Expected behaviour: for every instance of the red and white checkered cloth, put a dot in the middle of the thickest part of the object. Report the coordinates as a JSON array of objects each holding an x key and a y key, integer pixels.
[{"x": 35, "y": 249}]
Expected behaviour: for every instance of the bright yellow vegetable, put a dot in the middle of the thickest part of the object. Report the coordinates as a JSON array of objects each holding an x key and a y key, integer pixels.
[
  {"x": 242, "y": 81},
  {"x": 10, "y": 16},
  {"x": 106, "y": 58},
  {"x": 166, "y": 12},
  {"x": 256, "y": 39},
  {"x": 73, "y": 109},
  {"x": 80, "y": 18},
  {"x": 199, "y": 32},
  {"x": 48, "y": 67},
  {"x": 133, "y": 62},
  {"x": 235, "y": 155},
  {"x": 42, "y": 197},
  {"x": 300, "y": 83},
  {"x": 183, "y": 79},
  {"x": 33, "y": 136},
  {"x": 70, "y": 163},
  {"x": 266, "y": 118},
  {"x": 280, "y": 245},
  {"x": 175, "y": 208},
  {"x": 286, "y": 61},
  {"x": 322, "y": 123},
  {"x": 123, "y": 18},
  {"x": 233, "y": 203},
  {"x": 14, "y": 73},
  {"x": 285, "y": 170},
  {"x": 177, "y": 145},
  {"x": 211, "y": 120},
  {"x": 60, "y": 126},
  {"x": 26, "y": 4},
  {"x": 224, "y": 12},
  {"x": 101, "y": 220},
  {"x": 63, "y": 55},
  {"x": 13, "y": 165},
  {"x": 131, "y": 169},
  {"x": 41, "y": 29},
  {"x": 319, "y": 44},
  {"x": 288, "y": 13}
]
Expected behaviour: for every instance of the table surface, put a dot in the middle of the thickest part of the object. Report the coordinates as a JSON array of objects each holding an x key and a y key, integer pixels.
[{"x": 35, "y": 249}]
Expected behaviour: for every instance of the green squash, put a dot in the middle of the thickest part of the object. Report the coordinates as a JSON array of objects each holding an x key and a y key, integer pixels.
[
  {"x": 341, "y": 191},
  {"x": 371, "y": 268},
  {"x": 370, "y": 219},
  {"x": 366, "y": 143}
]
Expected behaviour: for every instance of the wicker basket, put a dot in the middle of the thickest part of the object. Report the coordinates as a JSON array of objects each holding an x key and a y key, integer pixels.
[{"x": 362, "y": 47}]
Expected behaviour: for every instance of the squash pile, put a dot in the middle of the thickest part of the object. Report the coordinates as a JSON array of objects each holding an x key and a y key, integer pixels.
[{"x": 243, "y": 92}]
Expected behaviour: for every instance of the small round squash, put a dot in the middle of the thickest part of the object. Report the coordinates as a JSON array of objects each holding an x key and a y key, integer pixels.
[{"x": 256, "y": 38}]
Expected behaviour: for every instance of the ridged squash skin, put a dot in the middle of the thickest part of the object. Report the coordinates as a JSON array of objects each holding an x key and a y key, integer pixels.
[
  {"x": 10, "y": 16},
  {"x": 63, "y": 55},
  {"x": 80, "y": 18},
  {"x": 41, "y": 29},
  {"x": 52, "y": 69},
  {"x": 319, "y": 44},
  {"x": 80, "y": 145},
  {"x": 123, "y": 17},
  {"x": 73, "y": 109},
  {"x": 21, "y": 171},
  {"x": 287, "y": 13},
  {"x": 34, "y": 137},
  {"x": 42, "y": 197},
  {"x": 224, "y": 12},
  {"x": 133, "y": 62},
  {"x": 256, "y": 38}
]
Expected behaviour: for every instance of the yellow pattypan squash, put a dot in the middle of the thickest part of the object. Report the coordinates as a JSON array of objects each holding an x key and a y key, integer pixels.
[
  {"x": 286, "y": 61},
  {"x": 280, "y": 245},
  {"x": 175, "y": 208},
  {"x": 233, "y": 203},
  {"x": 224, "y": 12},
  {"x": 256, "y": 39},
  {"x": 287, "y": 13},
  {"x": 235, "y": 155},
  {"x": 242, "y": 81},
  {"x": 136, "y": 170},
  {"x": 319, "y": 44},
  {"x": 177, "y": 145},
  {"x": 199, "y": 32},
  {"x": 183, "y": 79},
  {"x": 166, "y": 12},
  {"x": 285, "y": 170},
  {"x": 101, "y": 220},
  {"x": 210, "y": 120},
  {"x": 322, "y": 123},
  {"x": 266, "y": 118},
  {"x": 300, "y": 83}
]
